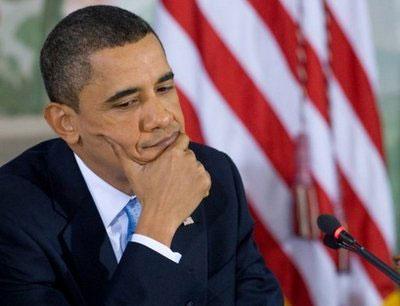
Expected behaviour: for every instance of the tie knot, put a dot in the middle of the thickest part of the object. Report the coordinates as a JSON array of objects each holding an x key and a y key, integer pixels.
[{"x": 132, "y": 202}]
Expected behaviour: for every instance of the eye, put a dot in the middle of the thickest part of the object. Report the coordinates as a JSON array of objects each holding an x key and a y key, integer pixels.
[
  {"x": 164, "y": 89},
  {"x": 127, "y": 103}
]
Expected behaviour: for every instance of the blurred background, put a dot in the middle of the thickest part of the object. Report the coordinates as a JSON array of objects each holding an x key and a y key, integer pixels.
[{"x": 24, "y": 25}]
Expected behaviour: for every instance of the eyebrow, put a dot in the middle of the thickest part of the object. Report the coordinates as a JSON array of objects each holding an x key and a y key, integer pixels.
[
  {"x": 122, "y": 93},
  {"x": 166, "y": 77},
  {"x": 129, "y": 91}
]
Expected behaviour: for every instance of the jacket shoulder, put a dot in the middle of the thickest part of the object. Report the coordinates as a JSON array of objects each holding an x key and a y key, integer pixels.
[
  {"x": 218, "y": 164},
  {"x": 30, "y": 162},
  {"x": 211, "y": 157},
  {"x": 24, "y": 180}
]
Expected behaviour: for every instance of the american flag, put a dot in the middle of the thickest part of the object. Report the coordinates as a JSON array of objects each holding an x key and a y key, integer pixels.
[{"x": 288, "y": 89}]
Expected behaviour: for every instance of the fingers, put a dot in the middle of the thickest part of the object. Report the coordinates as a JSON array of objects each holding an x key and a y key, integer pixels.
[
  {"x": 190, "y": 154},
  {"x": 205, "y": 180},
  {"x": 181, "y": 143},
  {"x": 206, "y": 183},
  {"x": 117, "y": 148},
  {"x": 130, "y": 167}
]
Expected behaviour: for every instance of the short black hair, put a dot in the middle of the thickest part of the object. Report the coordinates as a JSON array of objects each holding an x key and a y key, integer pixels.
[{"x": 64, "y": 58}]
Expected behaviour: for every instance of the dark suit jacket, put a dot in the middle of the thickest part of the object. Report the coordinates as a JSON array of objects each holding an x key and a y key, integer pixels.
[{"x": 54, "y": 249}]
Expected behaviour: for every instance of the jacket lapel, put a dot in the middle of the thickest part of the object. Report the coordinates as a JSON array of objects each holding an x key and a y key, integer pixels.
[{"x": 84, "y": 239}]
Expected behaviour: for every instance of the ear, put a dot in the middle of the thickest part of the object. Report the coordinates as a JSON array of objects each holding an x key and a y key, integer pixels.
[{"x": 63, "y": 120}]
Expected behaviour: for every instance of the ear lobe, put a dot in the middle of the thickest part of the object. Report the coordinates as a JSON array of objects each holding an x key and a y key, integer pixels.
[{"x": 62, "y": 119}]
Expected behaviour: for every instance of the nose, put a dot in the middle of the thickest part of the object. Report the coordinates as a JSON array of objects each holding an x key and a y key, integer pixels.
[{"x": 156, "y": 115}]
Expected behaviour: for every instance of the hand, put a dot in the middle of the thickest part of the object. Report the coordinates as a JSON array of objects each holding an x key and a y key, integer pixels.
[{"x": 169, "y": 188}]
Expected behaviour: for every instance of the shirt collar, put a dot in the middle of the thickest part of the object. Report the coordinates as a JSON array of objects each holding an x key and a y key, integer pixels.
[{"x": 109, "y": 200}]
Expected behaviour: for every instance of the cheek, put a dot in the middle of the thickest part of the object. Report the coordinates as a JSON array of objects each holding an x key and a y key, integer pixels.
[
  {"x": 180, "y": 118},
  {"x": 92, "y": 124},
  {"x": 125, "y": 131},
  {"x": 107, "y": 125},
  {"x": 176, "y": 110}
]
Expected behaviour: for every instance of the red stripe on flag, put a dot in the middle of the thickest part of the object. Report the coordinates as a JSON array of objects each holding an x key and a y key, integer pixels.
[
  {"x": 284, "y": 29},
  {"x": 366, "y": 232},
  {"x": 192, "y": 123},
  {"x": 237, "y": 88},
  {"x": 354, "y": 82},
  {"x": 292, "y": 283}
]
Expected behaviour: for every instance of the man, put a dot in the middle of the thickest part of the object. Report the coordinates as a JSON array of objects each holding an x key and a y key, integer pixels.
[{"x": 122, "y": 210}]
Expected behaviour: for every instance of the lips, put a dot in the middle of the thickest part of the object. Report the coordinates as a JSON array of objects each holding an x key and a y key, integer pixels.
[{"x": 166, "y": 141}]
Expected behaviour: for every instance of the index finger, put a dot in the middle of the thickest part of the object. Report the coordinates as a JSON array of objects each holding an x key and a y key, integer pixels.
[
  {"x": 129, "y": 165},
  {"x": 181, "y": 142}
]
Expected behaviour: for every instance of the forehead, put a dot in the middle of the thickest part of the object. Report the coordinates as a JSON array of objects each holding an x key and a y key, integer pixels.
[{"x": 132, "y": 64}]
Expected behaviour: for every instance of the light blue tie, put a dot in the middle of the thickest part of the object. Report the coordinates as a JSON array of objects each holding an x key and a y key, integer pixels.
[{"x": 132, "y": 210}]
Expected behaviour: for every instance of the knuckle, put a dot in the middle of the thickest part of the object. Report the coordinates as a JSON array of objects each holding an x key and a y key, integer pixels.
[
  {"x": 200, "y": 166},
  {"x": 207, "y": 179},
  {"x": 185, "y": 138},
  {"x": 183, "y": 141},
  {"x": 190, "y": 153},
  {"x": 209, "y": 183}
]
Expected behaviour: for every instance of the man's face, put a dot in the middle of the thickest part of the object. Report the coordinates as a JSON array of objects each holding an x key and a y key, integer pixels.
[{"x": 131, "y": 99}]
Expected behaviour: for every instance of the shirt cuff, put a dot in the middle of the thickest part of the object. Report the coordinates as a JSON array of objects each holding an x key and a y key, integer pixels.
[{"x": 157, "y": 246}]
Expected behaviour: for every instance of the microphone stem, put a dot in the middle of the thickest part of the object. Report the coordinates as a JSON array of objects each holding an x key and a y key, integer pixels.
[{"x": 391, "y": 273}]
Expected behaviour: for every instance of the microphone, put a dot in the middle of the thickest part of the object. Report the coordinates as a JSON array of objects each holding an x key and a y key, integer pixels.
[
  {"x": 337, "y": 237},
  {"x": 329, "y": 225},
  {"x": 331, "y": 242}
]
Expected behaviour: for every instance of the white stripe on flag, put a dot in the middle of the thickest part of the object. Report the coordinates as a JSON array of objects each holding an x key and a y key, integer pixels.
[{"x": 358, "y": 33}]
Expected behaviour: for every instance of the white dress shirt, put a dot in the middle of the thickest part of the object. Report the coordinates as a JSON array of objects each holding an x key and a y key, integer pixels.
[{"x": 110, "y": 203}]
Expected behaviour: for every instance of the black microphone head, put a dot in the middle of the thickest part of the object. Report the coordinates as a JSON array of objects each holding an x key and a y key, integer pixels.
[
  {"x": 331, "y": 242},
  {"x": 328, "y": 224}
]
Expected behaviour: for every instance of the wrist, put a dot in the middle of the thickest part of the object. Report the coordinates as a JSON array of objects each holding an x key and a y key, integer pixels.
[{"x": 156, "y": 229}]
